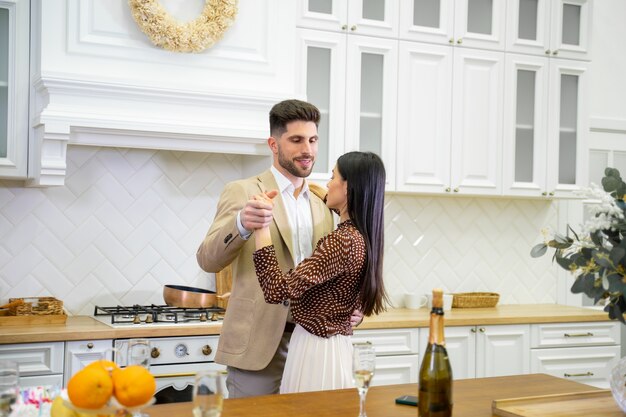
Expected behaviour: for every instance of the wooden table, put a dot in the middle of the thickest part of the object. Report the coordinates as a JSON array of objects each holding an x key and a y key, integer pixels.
[{"x": 472, "y": 398}]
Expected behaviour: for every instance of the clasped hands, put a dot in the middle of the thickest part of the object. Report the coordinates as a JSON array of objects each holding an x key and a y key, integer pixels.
[{"x": 258, "y": 211}]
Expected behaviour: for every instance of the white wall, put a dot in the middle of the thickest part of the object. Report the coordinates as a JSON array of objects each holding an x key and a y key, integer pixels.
[{"x": 129, "y": 221}]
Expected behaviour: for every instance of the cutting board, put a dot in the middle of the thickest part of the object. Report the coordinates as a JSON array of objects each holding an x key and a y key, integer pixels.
[
  {"x": 579, "y": 404},
  {"x": 223, "y": 285}
]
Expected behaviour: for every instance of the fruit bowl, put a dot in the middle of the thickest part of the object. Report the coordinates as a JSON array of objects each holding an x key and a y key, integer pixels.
[{"x": 112, "y": 408}]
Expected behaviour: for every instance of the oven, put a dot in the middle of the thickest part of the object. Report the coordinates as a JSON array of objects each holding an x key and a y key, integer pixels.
[
  {"x": 175, "y": 359},
  {"x": 174, "y": 363}
]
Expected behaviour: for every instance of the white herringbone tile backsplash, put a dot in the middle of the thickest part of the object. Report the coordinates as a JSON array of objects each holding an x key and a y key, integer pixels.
[{"x": 129, "y": 220}]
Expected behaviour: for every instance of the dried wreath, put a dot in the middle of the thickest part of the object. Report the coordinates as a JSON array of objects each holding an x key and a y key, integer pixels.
[{"x": 164, "y": 31}]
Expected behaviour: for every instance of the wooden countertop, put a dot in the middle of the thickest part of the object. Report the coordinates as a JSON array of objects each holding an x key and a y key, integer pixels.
[
  {"x": 472, "y": 398},
  {"x": 86, "y": 328}
]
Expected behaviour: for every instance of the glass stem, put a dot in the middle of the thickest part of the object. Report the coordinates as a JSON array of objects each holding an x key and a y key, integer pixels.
[{"x": 362, "y": 395}]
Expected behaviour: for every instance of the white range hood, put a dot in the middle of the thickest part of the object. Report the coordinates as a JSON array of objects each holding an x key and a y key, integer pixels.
[{"x": 97, "y": 80}]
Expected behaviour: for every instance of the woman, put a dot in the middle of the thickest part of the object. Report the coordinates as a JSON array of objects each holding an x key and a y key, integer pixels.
[{"x": 344, "y": 273}]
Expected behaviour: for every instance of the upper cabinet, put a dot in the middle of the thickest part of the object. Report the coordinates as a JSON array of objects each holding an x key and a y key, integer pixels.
[
  {"x": 14, "y": 87},
  {"x": 557, "y": 28},
  {"x": 545, "y": 121},
  {"x": 363, "y": 17},
  {"x": 473, "y": 23},
  {"x": 349, "y": 71}
]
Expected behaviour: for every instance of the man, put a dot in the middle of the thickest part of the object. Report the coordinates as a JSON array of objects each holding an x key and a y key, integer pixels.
[{"x": 255, "y": 335}]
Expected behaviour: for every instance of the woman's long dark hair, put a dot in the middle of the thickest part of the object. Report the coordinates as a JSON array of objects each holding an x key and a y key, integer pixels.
[{"x": 365, "y": 174}]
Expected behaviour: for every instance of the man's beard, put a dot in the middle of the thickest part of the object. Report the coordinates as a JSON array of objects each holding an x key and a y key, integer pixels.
[{"x": 292, "y": 168}]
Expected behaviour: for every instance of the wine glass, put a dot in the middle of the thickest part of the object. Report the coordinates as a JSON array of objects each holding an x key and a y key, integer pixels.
[
  {"x": 9, "y": 389},
  {"x": 139, "y": 354},
  {"x": 363, "y": 360},
  {"x": 208, "y": 393}
]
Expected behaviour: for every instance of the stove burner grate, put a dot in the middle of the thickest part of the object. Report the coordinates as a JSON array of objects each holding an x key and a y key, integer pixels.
[{"x": 138, "y": 314}]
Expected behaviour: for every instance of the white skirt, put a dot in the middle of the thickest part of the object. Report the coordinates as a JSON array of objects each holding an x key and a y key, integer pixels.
[{"x": 317, "y": 363}]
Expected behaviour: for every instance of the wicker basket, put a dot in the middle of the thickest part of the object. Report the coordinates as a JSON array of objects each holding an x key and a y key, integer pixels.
[
  {"x": 475, "y": 299},
  {"x": 39, "y": 306}
]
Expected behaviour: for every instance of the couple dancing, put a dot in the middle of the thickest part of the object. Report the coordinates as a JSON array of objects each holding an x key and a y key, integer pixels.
[{"x": 297, "y": 283}]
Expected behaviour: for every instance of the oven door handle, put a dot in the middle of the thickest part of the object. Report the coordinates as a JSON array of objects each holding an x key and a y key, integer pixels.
[{"x": 175, "y": 375}]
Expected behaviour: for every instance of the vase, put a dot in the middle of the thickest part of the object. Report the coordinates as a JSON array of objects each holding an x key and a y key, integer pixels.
[{"x": 617, "y": 381}]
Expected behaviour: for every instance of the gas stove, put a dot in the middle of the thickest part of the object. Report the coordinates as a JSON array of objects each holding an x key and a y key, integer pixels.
[{"x": 157, "y": 315}]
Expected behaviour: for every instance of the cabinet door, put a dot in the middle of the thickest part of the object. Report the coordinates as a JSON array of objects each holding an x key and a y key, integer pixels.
[
  {"x": 371, "y": 88},
  {"x": 79, "y": 354},
  {"x": 502, "y": 350},
  {"x": 323, "y": 14},
  {"x": 588, "y": 365},
  {"x": 424, "y": 117},
  {"x": 51, "y": 381},
  {"x": 461, "y": 348},
  {"x": 14, "y": 87},
  {"x": 567, "y": 127},
  {"x": 571, "y": 28},
  {"x": 480, "y": 24},
  {"x": 427, "y": 20},
  {"x": 477, "y": 122},
  {"x": 321, "y": 77},
  {"x": 525, "y": 125},
  {"x": 528, "y": 26},
  {"x": 374, "y": 17}
]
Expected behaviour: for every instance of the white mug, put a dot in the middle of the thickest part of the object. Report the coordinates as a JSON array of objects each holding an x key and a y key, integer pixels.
[
  {"x": 447, "y": 301},
  {"x": 414, "y": 301}
]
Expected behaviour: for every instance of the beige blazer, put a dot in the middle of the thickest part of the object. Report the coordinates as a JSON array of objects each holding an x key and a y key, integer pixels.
[{"x": 252, "y": 329}]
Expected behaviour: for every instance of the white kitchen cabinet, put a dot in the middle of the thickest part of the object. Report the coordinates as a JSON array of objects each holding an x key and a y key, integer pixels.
[
  {"x": 14, "y": 87},
  {"x": 353, "y": 80},
  {"x": 39, "y": 363},
  {"x": 81, "y": 353},
  {"x": 364, "y": 17},
  {"x": 557, "y": 28},
  {"x": 545, "y": 121},
  {"x": 485, "y": 351},
  {"x": 467, "y": 23},
  {"x": 583, "y": 352},
  {"x": 397, "y": 360},
  {"x": 449, "y": 120}
]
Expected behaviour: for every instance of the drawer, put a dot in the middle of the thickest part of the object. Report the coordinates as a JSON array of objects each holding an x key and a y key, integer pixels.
[
  {"x": 35, "y": 358},
  {"x": 575, "y": 334},
  {"x": 389, "y": 341},
  {"x": 54, "y": 381},
  {"x": 391, "y": 370},
  {"x": 588, "y": 365}
]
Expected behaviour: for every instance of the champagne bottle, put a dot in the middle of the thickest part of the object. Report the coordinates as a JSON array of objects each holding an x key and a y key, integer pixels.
[{"x": 435, "y": 378}]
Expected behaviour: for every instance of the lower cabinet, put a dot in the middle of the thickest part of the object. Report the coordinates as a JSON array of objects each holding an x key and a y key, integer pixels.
[
  {"x": 40, "y": 364},
  {"x": 583, "y": 352},
  {"x": 485, "y": 351},
  {"x": 397, "y": 360},
  {"x": 79, "y": 354}
]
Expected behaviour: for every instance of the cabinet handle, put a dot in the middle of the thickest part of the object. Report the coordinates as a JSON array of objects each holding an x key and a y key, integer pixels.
[
  {"x": 547, "y": 52},
  {"x": 556, "y": 52},
  {"x": 551, "y": 193},
  {"x": 353, "y": 28},
  {"x": 573, "y": 375},
  {"x": 473, "y": 330},
  {"x": 456, "y": 190},
  {"x": 578, "y": 334},
  {"x": 344, "y": 27},
  {"x": 447, "y": 189},
  {"x": 459, "y": 41},
  {"x": 544, "y": 193},
  {"x": 89, "y": 345},
  {"x": 482, "y": 330},
  {"x": 451, "y": 40}
]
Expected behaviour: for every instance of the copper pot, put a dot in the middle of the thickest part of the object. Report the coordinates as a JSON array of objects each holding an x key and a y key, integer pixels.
[{"x": 190, "y": 297}]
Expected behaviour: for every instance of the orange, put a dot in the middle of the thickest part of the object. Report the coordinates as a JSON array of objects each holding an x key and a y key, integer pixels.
[
  {"x": 90, "y": 388},
  {"x": 133, "y": 385},
  {"x": 107, "y": 365}
]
